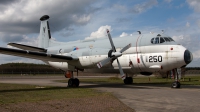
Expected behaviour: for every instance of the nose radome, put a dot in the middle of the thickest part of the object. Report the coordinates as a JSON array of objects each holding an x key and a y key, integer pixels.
[{"x": 187, "y": 56}]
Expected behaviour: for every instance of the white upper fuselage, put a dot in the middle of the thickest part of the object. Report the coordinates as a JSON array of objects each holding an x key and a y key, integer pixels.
[{"x": 145, "y": 54}]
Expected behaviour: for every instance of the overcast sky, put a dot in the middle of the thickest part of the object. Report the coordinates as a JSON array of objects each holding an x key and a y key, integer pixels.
[{"x": 82, "y": 19}]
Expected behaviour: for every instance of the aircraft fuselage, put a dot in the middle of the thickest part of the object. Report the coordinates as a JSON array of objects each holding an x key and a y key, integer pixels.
[{"x": 145, "y": 54}]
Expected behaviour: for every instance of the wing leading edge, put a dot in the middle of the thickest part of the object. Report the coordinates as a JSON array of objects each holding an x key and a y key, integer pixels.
[
  {"x": 26, "y": 47},
  {"x": 37, "y": 55}
]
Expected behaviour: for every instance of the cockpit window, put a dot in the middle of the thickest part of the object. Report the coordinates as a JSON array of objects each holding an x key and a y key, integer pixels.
[
  {"x": 158, "y": 40},
  {"x": 162, "y": 40},
  {"x": 152, "y": 40},
  {"x": 171, "y": 39},
  {"x": 155, "y": 40},
  {"x": 167, "y": 39}
]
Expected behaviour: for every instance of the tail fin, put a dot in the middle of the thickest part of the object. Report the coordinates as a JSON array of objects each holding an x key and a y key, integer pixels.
[{"x": 45, "y": 35}]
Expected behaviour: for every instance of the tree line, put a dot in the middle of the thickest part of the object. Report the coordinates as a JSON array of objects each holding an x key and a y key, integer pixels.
[{"x": 28, "y": 68}]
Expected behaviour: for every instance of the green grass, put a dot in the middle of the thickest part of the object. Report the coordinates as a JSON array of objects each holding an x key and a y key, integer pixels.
[
  {"x": 191, "y": 80},
  {"x": 15, "y": 93},
  {"x": 194, "y": 80}
]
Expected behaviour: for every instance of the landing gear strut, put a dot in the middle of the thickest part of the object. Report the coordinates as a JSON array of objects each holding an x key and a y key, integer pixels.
[
  {"x": 128, "y": 80},
  {"x": 176, "y": 83}
]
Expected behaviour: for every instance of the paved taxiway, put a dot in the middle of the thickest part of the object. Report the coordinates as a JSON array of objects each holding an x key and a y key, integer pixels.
[{"x": 148, "y": 98}]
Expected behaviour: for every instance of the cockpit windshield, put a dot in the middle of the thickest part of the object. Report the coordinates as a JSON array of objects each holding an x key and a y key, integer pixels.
[
  {"x": 170, "y": 39},
  {"x": 167, "y": 39},
  {"x": 158, "y": 40}
]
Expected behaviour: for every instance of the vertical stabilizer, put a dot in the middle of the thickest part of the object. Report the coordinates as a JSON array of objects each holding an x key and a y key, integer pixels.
[{"x": 45, "y": 35}]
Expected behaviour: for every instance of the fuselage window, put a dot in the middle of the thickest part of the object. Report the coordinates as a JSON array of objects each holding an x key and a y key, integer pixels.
[
  {"x": 167, "y": 39},
  {"x": 161, "y": 40}
]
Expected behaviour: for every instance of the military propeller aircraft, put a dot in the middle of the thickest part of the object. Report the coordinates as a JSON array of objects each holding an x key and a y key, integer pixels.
[{"x": 143, "y": 53}]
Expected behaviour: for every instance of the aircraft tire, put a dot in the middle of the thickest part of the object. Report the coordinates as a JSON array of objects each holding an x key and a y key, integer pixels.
[
  {"x": 176, "y": 84},
  {"x": 76, "y": 82},
  {"x": 128, "y": 80},
  {"x": 179, "y": 84},
  {"x": 70, "y": 82},
  {"x": 125, "y": 81}
]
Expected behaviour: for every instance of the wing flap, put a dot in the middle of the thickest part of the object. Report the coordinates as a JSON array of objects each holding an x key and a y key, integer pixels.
[
  {"x": 26, "y": 47},
  {"x": 37, "y": 55}
]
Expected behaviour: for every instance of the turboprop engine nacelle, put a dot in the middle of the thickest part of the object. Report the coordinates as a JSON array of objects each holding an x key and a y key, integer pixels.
[
  {"x": 89, "y": 57},
  {"x": 59, "y": 65}
]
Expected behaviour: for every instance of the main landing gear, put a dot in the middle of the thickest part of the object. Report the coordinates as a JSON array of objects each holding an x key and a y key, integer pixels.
[
  {"x": 72, "y": 82},
  {"x": 128, "y": 80}
]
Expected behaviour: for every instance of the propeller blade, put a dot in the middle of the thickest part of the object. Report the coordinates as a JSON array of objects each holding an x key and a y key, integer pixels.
[
  {"x": 125, "y": 48},
  {"x": 121, "y": 71},
  {"x": 115, "y": 55},
  {"x": 111, "y": 42},
  {"x": 104, "y": 62}
]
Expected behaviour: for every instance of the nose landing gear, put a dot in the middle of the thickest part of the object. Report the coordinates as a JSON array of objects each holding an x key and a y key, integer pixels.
[{"x": 176, "y": 83}]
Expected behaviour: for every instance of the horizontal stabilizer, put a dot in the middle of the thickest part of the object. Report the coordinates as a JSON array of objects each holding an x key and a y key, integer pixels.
[
  {"x": 26, "y": 47},
  {"x": 36, "y": 55}
]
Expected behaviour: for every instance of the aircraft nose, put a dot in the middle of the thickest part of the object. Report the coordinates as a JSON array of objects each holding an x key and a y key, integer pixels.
[{"x": 187, "y": 56}]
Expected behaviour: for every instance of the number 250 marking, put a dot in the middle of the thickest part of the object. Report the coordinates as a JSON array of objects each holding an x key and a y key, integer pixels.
[{"x": 155, "y": 58}]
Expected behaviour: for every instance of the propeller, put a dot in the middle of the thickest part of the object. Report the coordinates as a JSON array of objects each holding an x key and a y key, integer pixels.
[{"x": 112, "y": 55}]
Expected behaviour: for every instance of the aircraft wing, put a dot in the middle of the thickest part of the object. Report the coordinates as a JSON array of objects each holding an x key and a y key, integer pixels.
[
  {"x": 26, "y": 47},
  {"x": 37, "y": 55}
]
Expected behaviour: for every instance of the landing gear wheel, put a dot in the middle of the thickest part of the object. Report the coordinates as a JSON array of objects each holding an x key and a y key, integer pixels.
[
  {"x": 70, "y": 82},
  {"x": 76, "y": 82},
  {"x": 176, "y": 84},
  {"x": 73, "y": 82},
  {"x": 128, "y": 80}
]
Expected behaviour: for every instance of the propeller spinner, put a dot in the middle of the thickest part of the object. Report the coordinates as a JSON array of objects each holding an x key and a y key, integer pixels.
[{"x": 112, "y": 55}]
